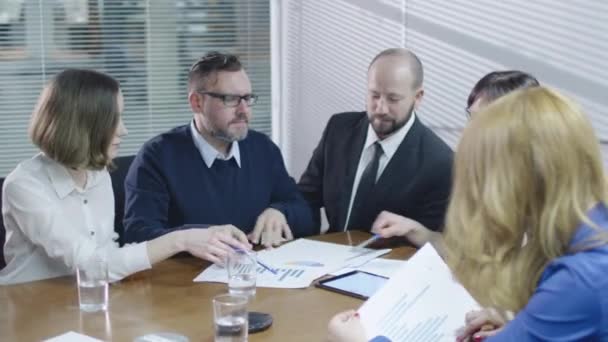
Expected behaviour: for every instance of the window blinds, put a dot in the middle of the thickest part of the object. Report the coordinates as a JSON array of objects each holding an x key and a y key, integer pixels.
[
  {"x": 327, "y": 45},
  {"x": 148, "y": 45}
]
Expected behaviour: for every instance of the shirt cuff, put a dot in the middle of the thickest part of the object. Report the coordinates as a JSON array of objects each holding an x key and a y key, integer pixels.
[{"x": 130, "y": 259}]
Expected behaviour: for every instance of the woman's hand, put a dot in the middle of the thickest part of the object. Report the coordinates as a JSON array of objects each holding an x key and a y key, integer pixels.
[
  {"x": 480, "y": 324},
  {"x": 346, "y": 327}
]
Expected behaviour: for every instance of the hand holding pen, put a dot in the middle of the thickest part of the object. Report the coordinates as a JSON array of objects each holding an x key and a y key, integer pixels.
[{"x": 213, "y": 243}]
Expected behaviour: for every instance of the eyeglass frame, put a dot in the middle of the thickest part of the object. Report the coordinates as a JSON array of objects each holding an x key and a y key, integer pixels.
[{"x": 250, "y": 99}]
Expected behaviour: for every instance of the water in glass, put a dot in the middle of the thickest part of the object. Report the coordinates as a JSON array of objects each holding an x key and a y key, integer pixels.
[
  {"x": 231, "y": 329},
  {"x": 242, "y": 284},
  {"x": 93, "y": 295}
]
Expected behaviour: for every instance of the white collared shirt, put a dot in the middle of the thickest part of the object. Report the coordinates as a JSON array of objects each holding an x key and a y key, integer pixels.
[
  {"x": 53, "y": 227},
  {"x": 389, "y": 145},
  {"x": 209, "y": 153}
]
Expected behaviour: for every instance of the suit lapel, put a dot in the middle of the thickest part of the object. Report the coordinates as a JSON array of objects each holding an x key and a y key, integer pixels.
[
  {"x": 400, "y": 169},
  {"x": 354, "y": 146}
]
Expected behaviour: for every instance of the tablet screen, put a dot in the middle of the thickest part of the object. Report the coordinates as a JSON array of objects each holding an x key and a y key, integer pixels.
[{"x": 361, "y": 283}]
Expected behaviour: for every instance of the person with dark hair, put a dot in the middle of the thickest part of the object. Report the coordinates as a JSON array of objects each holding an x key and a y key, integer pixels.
[
  {"x": 214, "y": 170},
  {"x": 496, "y": 84},
  {"x": 380, "y": 166},
  {"x": 58, "y": 207}
]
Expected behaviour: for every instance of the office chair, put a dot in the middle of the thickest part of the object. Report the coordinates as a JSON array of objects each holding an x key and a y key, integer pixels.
[{"x": 118, "y": 176}]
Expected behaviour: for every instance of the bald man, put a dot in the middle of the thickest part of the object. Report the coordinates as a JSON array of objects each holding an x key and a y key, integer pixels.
[{"x": 382, "y": 169}]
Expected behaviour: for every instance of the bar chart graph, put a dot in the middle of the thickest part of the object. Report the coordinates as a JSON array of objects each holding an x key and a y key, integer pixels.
[{"x": 282, "y": 273}]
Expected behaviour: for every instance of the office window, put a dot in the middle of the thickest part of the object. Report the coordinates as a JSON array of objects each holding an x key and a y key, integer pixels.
[
  {"x": 147, "y": 45},
  {"x": 327, "y": 45}
]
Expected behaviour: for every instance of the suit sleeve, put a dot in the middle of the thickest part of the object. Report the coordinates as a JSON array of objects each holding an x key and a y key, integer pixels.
[
  {"x": 311, "y": 182},
  {"x": 434, "y": 206},
  {"x": 146, "y": 197},
  {"x": 287, "y": 199}
]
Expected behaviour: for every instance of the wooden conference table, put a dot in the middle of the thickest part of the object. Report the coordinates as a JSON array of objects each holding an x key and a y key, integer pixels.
[{"x": 165, "y": 299}]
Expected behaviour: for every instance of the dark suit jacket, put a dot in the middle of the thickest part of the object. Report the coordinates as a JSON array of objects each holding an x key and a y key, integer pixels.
[{"x": 416, "y": 182}]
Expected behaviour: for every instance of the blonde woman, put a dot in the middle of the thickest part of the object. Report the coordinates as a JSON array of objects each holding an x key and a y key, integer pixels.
[
  {"x": 530, "y": 197},
  {"x": 545, "y": 186},
  {"x": 58, "y": 206}
]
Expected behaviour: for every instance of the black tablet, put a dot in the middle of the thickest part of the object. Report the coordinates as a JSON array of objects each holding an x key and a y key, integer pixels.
[{"x": 356, "y": 283}]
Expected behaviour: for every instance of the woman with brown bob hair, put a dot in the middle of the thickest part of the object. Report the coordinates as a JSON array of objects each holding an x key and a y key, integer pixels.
[{"x": 58, "y": 206}]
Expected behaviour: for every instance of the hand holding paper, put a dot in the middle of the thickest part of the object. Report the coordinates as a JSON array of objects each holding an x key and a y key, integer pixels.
[{"x": 421, "y": 300}]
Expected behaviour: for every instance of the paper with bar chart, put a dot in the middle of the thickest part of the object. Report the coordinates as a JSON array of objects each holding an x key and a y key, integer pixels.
[
  {"x": 421, "y": 302},
  {"x": 297, "y": 263}
]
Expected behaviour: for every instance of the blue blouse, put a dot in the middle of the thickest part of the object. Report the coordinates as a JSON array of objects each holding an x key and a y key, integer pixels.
[{"x": 571, "y": 300}]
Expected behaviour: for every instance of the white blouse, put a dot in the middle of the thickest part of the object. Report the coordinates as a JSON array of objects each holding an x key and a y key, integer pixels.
[{"x": 52, "y": 226}]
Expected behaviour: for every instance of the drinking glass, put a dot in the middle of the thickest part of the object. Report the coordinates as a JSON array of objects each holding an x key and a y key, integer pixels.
[
  {"x": 92, "y": 280},
  {"x": 242, "y": 270},
  {"x": 230, "y": 318}
]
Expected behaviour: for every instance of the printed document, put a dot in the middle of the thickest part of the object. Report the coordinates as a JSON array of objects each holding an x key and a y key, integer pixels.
[
  {"x": 420, "y": 302},
  {"x": 298, "y": 263}
]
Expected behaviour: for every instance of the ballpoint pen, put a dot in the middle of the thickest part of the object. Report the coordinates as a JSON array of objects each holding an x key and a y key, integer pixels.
[{"x": 365, "y": 243}]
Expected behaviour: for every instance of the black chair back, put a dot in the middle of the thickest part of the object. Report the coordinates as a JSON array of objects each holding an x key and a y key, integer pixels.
[{"x": 118, "y": 176}]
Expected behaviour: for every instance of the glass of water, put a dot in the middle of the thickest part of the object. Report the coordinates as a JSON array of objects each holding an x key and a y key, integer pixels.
[
  {"x": 92, "y": 279},
  {"x": 242, "y": 271},
  {"x": 230, "y": 318}
]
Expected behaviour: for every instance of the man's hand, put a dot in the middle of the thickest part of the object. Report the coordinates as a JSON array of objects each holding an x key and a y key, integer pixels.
[
  {"x": 388, "y": 225},
  {"x": 214, "y": 243},
  {"x": 271, "y": 229}
]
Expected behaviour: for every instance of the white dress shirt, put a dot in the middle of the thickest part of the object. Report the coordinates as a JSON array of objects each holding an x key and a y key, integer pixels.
[
  {"x": 209, "y": 153},
  {"x": 53, "y": 227},
  {"x": 389, "y": 145}
]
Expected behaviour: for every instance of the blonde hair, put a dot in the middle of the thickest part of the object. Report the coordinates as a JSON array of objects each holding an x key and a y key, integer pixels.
[
  {"x": 76, "y": 118},
  {"x": 528, "y": 167}
]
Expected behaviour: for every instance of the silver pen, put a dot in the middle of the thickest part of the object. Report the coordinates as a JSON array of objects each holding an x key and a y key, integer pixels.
[{"x": 365, "y": 243}]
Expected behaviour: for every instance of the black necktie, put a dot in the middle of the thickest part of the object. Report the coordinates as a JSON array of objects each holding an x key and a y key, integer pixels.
[{"x": 366, "y": 184}]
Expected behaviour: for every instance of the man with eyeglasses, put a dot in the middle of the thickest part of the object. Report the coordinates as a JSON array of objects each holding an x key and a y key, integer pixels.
[
  {"x": 382, "y": 170},
  {"x": 215, "y": 170}
]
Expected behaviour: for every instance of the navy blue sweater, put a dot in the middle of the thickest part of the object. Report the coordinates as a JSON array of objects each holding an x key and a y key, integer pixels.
[{"x": 170, "y": 187}]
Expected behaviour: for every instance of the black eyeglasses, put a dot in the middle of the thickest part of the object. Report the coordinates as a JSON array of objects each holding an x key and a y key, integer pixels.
[{"x": 230, "y": 100}]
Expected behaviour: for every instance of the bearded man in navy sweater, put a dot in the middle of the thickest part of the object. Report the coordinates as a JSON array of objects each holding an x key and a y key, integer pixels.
[{"x": 215, "y": 172}]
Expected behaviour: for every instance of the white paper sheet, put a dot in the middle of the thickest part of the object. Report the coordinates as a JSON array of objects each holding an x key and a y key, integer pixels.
[
  {"x": 298, "y": 263},
  {"x": 72, "y": 337},
  {"x": 382, "y": 267},
  {"x": 421, "y": 302}
]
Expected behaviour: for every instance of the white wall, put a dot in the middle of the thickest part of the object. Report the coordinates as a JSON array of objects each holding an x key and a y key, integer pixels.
[{"x": 326, "y": 45}]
